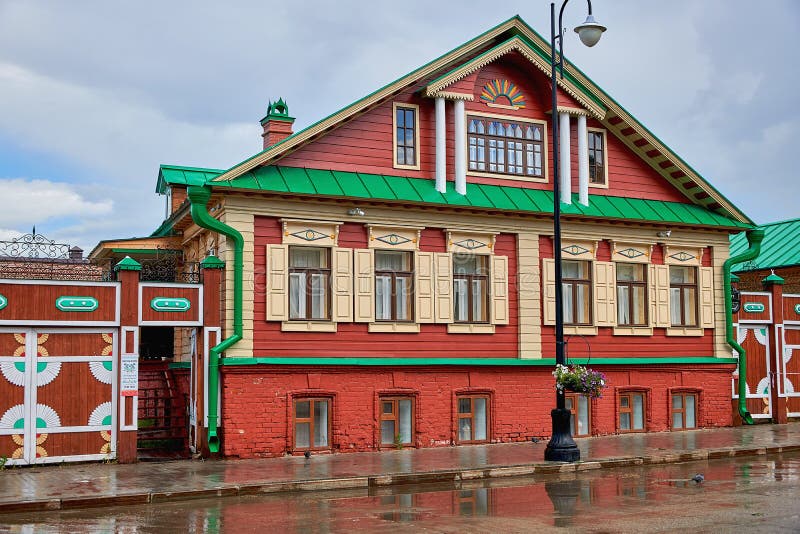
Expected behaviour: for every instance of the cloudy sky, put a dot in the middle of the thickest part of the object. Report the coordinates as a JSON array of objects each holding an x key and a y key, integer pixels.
[{"x": 94, "y": 95}]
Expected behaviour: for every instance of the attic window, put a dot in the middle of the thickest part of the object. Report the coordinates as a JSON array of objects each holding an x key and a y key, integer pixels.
[
  {"x": 406, "y": 136},
  {"x": 598, "y": 164},
  {"x": 505, "y": 147}
]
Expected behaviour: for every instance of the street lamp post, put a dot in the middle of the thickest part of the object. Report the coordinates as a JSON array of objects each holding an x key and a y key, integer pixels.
[{"x": 562, "y": 447}]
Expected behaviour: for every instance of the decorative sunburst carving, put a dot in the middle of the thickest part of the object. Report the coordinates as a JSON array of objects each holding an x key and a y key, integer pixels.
[{"x": 102, "y": 371}]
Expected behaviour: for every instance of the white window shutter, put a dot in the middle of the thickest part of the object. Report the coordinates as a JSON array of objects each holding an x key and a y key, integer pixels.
[
  {"x": 423, "y": 287},
  {"x": 605, "y": 294},
  {"x": 364, "y": 285},
  {"x": 499, "y": 290},
  {"x": 658, "y": 279},
  {"x": 443, "y": 272},
  {"x": 706, "y": 297},
  {"x": 277, "y": 305},
  {"x": 549, "y": 291},
  {"x": 342, "y": 284}
]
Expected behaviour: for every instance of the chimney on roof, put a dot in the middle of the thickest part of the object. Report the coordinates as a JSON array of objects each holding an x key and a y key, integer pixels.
[
  {"x": 76, "y": 253},
  {"x": 277, "y": 124}
]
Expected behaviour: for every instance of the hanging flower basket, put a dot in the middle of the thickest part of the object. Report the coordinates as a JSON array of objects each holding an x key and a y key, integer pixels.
[{"x": 580, "y": 379}]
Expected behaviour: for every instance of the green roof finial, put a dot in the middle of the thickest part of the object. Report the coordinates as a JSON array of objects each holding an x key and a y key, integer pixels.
[
  {"x": 277, "y": 111},
  {"x": 773, "y": 279}
]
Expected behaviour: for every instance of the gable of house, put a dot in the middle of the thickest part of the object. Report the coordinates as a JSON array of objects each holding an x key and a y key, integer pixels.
[{"x": 511, "y": 56}]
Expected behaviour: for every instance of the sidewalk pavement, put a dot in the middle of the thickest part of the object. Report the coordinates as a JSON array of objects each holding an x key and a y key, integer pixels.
[{"x": 70, "y": 486}]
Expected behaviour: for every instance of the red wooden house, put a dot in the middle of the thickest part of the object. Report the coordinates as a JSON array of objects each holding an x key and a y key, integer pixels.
[{"x": 389, "y": 276}]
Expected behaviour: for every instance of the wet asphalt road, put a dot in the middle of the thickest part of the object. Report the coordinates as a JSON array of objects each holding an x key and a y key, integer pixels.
[{"x": 738, "y": 495}]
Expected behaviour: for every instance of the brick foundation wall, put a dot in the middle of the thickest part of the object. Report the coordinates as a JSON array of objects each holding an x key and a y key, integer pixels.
[{"x": 256, "y": 402}]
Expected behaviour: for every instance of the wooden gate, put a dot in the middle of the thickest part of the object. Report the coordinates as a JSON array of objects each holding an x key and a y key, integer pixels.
[
  {"x": 58, "y": 392},
  {"x": 790, "y": 385},
  {"x": 755, "y": 341}
]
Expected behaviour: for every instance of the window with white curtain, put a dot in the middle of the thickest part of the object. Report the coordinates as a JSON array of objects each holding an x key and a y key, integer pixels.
[
  {"x": 631, "y": 294},
  {"x": 632, "y": 412},
  {"x": 397, "y": 421},
  {"x": 473, "y": 418},
  {"x": 393, "y": 285},
  {"x": 578, "y": 406},
  {"x": 309, "y": 283},
  {"x": 311, "y": 424},
  {"x": 470, "y": 288},
  {"x": 577, "y": 292},
  {"x": 683, "y": 295}
]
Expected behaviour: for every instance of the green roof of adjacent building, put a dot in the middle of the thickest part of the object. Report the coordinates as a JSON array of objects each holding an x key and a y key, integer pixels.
[
  {"x": 780, "y": 248},
  {"x": 302, "y": 181}
]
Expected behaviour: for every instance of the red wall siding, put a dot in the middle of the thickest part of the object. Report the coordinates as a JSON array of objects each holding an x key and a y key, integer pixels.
[
  {"x": 364, "y": 144},
  {"x": 353, "y": 339},
  {"x": 257, "y": 419},
  {"x": 606, "y": 345}
]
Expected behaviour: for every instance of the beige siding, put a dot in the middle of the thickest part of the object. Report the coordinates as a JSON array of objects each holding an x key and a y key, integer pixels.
[
  {"x": 277, "y": 279},
  {"x": 243, "y": 223},
  {"x": 423, "y": 284},
  {"x": 605, "y": 294},
  {"x": 342, "y": 270},
  {"x": 529, "y": 296},
  {"x": 721, "y": 347},
  {"x": 443, "y": 271},
  {"x": 364, "y": 285},
  {"x": 659, "y": 296},
  {"x": 499, "y": 290}
]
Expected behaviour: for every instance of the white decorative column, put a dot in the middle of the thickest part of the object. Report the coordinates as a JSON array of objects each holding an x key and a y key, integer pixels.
[
  {"x": 461, "y": 147},
  {"x": 583, "y": 161},
  {"x": 564, "y": 149},
  {"x": 441, "y": 146}
]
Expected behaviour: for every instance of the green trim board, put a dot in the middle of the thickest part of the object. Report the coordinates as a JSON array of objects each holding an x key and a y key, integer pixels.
[
  {"x": 341, "y": 184},
  {"x": 780, "y": 248},
  {"x": 170, "y": 304},
  {"x": 179, "y": 365},
  {"x": 482, "y": 362},
  {"x": 76, "y": 304}
]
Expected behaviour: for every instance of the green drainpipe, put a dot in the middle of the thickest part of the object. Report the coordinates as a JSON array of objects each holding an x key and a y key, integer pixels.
[
  {"x": 754, "y": 238},
  {"x": 198, "y": 197}
]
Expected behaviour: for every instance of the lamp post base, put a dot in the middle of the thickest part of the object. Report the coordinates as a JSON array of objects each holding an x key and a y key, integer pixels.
[{"x": 562, "y": 447}]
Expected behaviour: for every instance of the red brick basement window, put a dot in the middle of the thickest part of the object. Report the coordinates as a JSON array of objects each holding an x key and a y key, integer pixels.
[
  {"x": 312, "y": 427},
  {"x": 397, "y": 421},
  {"x": 684, "y": 411},
  {"x": 473, "y": 418},
  {"x": 578, "y": 406},
  {"x": 632, "y": 409}
]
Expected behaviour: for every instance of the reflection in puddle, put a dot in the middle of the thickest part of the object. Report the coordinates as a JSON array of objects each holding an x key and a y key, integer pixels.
[{"x": 586, "y": 501}]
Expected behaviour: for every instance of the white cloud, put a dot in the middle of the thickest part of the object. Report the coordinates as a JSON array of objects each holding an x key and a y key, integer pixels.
[{"x": 29, "y": 202}]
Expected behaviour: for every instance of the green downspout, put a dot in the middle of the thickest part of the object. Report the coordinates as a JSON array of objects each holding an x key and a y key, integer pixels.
[
  {"x": 754, "y": 238},
  {"x": 198, "y": 197}
]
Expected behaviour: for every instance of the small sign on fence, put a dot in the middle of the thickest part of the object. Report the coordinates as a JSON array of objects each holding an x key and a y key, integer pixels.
[{"x": 129, "y": 376}]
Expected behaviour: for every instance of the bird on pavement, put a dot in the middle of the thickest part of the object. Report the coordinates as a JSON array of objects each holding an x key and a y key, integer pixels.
[{"x": 698, "y": 478}]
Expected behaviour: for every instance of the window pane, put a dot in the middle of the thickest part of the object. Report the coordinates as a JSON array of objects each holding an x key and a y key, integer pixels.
[
  {"x": 639, "y": 305},
  {"x": 307, "y": 257},
  {"x": 480, "y": 418},
  {"x": 690, "y": 411},
  {"x": 409, "y": 137},
  {"x": 388, "y": 407},
  {"x": 460, "y": 298},
  {"x": 297, "y": 295},
  {"x": 677, "y": 402},
  {"x": 569, "y": 312},
  {"x": 689, "y": 294},
  {"x": 623, "y": 401},
  {"x": 400, "y": 118},
  {"x": 467, "y": 264},
  {"x": 681, "y": 275},
  {"x": 404, "y": 407},
  {"x": 302, "y": 435},
  {"x": 570, "y": 269},
  {"x": 675, "y": 305},
  {"x": 302, "y": 410},
  {"x": 583, "y": 416},
  {"x": 409, "y": 118},
  {"x": 387, "y": 432},
  {"x": 410, "y": 160},
  {"x": 383, "y": 298},
  {"x": 319, "y": 308},
  {"x": 464, "y": 429},
  {"x": 583, "y": 303},
  {"x": 624, "y": 421},
  {"x": 625, "y": 272},
  {"x": 478, "y": 300},
  {"x": 464, "y": 405},
  {"x": 401, "y": 156},
  {"x": 677, "y": 420},
  {"x": 320, "y": 423},
  {"x": 623, "y": 305},
  {"x": 638, "y": 412},
  {"x": 403, "y": 299}
]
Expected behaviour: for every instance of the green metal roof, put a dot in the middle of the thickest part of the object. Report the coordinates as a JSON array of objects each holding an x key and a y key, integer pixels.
[
  {"x": 302, "y": 181},
  {"x": 780, "y": 248}
]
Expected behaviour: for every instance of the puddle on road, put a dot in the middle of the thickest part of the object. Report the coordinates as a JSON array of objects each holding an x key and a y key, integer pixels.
[{"x": 592, "y": 501}]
